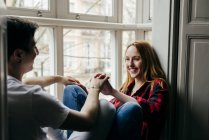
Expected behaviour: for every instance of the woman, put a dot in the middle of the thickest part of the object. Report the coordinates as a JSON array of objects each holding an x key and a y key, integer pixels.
[{"x": 142, "y": 100}]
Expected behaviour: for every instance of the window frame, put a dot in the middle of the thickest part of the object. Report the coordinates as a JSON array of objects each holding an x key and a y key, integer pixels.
[
  {"x": 57, "y": 23},
  {"x": 51, "y": 13},
  {"x": 146, "y": 11},
  {"x": 63, "y": 12}
]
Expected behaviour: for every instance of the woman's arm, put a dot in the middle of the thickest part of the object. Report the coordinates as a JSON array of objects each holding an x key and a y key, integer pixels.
[
  {"x": 157, "y": 104},
  {"x": 109, "y": 90}
]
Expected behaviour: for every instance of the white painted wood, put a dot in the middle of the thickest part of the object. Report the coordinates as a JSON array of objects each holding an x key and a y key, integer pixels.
[
  {"x": 160, "y": 42},
  {"x": 63, "y": 13},
  {"x": 139, "y": 10},
  {"x": 145, "y": 12},
  {"x": 88, "y": 24},
  {"x": 193, "y": 67},
  {"x": 198, "y": 89},
  {"x": 160, "y": 30},
  {"x": 118, "y": 57},
  {"x": 59, "y": 59},
  {"x": 33, "y": 12},
  {"x": 197, "y": 9}
]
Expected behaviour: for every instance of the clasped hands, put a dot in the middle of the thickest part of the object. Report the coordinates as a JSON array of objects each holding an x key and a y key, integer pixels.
[{"x": 97, "y": 81}]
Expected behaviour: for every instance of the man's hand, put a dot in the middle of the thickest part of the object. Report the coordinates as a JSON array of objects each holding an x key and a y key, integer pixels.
[{"x": 68, "y": 80}]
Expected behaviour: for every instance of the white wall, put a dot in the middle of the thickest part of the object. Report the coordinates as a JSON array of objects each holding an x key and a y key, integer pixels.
[
  {"x": 160, "y": 34},
  {"x": 161, "y": 43}
]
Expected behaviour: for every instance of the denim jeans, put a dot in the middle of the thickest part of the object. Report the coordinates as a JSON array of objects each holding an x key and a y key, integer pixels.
[
  {"x": 74, "y": 98},
  {"x": 127, "y": 123}
]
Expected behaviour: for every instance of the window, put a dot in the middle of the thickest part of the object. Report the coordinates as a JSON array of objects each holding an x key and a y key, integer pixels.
[
  {"x": 128, "y": 38},
  {"x": 129, "y": 11},
  {"x": 81, "y": 37},
  {"x": 86, "y": 52},
  {"x": 91, "y": 7},
  {"x": 150, "y": 9},
  {"x": 35, "y": 8},
  {"x": 43, "y": 65},
  {"x": 148, "y": 36},
  {"x": 29, "y": 4},
  {"x": 89, "y": 10}
]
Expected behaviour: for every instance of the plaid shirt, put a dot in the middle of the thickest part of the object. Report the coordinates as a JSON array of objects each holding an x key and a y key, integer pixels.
[{"x": 153, "y": 98}]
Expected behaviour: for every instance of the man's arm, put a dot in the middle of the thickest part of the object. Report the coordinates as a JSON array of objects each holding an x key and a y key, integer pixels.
[
  {"x": 86, "y": 118},
  {"x": 49, "y": 80}
]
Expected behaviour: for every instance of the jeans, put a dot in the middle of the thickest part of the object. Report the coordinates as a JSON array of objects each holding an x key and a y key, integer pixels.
[
  {"x": 74, "y": 98},
  {"x": 127, "y": 123}
]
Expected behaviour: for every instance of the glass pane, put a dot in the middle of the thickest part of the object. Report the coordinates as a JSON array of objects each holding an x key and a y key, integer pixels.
[
  {"x": 43, "y": 64},
  {"x": 128, "y": 38},
  {"x": 129, "y": 11},
  {"x": 150, "y": 9},
  {"x": 29, "y": 4},
  {"x": 148, "y": 36},
  {"x": 91, "y": 7},
  {"x": 86, "y": 52}
]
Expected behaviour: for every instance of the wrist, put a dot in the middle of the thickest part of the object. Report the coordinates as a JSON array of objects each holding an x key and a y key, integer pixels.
[
  {"x": 93, "y": 90},
  {"x": 114, "y": 92},
  {"x": 58, "y": 79}
]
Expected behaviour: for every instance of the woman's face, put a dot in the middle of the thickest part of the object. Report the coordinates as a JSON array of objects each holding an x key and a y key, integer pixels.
[
  {"x": 30, "y": 56},
  {"x": 133, "y": 62}
]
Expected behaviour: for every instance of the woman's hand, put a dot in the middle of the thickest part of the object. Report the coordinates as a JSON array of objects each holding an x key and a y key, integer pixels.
[
  {"x": 107, "y": 88},
  {"x": 97, "y": 81}
]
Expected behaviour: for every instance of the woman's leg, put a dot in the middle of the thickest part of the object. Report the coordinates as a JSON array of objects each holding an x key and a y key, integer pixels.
[
  {"x": 103, "y": 125},
  {"x": 127, "y": 123},
  {"x": 74, "y": 98}
]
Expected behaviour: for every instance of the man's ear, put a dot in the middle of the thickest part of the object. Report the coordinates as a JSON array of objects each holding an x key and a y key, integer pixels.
[{"x": 19, "y": 55}]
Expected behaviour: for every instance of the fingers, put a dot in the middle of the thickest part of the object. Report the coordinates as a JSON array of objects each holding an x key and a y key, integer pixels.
[
  {"x": 73, "y": 80},
  {"x": 97, "y": 75},
  {"x": 100, "y": 75},
  {"x": 106, "y": 78},
  {"x": 71, "y": 83}
]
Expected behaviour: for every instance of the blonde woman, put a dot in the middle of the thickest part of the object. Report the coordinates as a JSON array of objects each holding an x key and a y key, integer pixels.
[{"x": 142, "y": 100}]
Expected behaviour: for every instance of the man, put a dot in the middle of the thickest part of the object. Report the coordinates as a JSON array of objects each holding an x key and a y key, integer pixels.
[{"x": 30, "y": 108}]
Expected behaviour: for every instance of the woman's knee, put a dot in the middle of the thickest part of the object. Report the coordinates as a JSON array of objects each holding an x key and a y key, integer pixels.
[
  {"x": 74, "y": 92},
  {"x": 107, "y": 108},
  {"x": 74, "y": 97},
  {"x": 74, "y": 89},
  {"x": 131, "y": 109}
]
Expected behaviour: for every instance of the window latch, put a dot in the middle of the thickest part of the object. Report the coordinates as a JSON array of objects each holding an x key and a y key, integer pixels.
[{"x": 39, "y": 14}]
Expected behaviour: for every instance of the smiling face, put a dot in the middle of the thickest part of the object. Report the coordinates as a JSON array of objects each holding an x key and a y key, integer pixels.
[{"x": 133, "y": 62}]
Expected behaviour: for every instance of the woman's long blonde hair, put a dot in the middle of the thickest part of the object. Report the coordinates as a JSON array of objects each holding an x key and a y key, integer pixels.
[{"x": 151, "y": 67}]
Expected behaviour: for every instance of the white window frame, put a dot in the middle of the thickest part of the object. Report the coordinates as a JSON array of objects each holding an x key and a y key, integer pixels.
[
  {"x": 143, "y": 18},
  {"x": 63, "y": 12},
  {"x": 60, "y": 21},
  {"x": 146, "y": 11},
  {"x": 34, "y": 12}
]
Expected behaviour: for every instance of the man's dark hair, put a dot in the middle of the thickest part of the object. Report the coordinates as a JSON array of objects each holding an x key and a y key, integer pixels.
[{"x": 19, "y": 33}]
